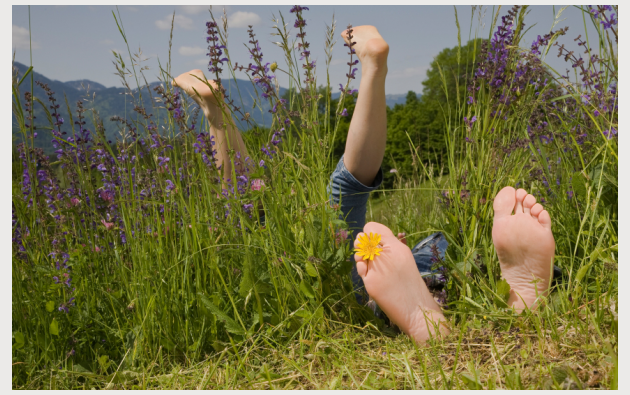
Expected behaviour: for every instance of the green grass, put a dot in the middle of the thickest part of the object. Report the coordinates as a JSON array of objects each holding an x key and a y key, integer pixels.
[
  {"x": 480, "y": 355},
  {"x": 201, "y": 295}
]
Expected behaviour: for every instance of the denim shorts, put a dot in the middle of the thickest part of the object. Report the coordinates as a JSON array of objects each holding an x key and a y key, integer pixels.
[{"x": 352, "y": 197}]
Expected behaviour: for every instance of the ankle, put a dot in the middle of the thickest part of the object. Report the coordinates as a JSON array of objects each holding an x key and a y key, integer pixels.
[
  {"x": 217, "y": 117},
  {"x": 374, "y": 70}
]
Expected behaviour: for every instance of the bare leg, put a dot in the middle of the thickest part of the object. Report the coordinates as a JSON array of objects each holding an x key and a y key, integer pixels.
[
  {"x": 226, "y": 135},
  {"x": 365, "y": 145}
]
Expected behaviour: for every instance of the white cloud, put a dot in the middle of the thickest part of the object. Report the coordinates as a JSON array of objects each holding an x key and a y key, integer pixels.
[
  {"x": 180, "y": 22},
  {"x": 191, "y": 51},
  {"x": 202, "y": 9},
  {"x": 335, "y": 62},
  {"x": 20, "y": 38},
  {"x": 107, "y": 42},
  {"x": 194, "y": 9},
  {"x": 243, "y": 19}
]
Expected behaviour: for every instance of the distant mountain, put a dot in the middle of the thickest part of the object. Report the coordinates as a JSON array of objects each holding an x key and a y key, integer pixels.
[
  {"x": 116, "y": 101},
  {"x": 390, "y": 100},
  {"x": 86, "y": 85},
  {"x": 400, "y": 98}
]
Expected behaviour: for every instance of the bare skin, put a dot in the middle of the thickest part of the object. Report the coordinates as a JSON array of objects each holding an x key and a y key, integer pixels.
[
  {"x": 394, "y": 282},
  {"x": 367, "y": 135},
  {"x": 392, "y": 279},
  {"x": 524, "y": 244},
  {"x": 226, "y": 135}
]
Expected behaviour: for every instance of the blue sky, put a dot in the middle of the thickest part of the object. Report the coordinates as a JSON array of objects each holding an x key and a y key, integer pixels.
[{"x": 75, "y": 42}]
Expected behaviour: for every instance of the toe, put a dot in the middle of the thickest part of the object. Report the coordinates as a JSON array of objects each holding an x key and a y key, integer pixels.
[
  {"x": 504, "y": 202},
  {"x": 536, "y": 210},
  {"x": 544, "y": 219},
  {"x": 528, "y": 203},
  {"x": 375, "y": 227},
  {"x": 520, "y": 196},
  {"x": 362, "y": 268}
]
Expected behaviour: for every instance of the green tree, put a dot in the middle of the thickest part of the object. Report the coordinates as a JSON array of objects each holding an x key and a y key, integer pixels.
[
  {"x": 424, "y": 120},
  {"x": 420, "y": 123}
]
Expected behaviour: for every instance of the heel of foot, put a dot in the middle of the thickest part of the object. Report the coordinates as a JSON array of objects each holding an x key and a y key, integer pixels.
[
  {"x": 526, "y": 299},
  {"x": 427, "y": 324}
]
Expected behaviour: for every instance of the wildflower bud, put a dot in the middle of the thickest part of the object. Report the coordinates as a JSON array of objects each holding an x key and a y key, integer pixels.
[{"x": 273, "y": 67}]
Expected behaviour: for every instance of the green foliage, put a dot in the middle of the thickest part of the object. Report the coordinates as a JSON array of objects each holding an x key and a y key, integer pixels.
[{"x": 267, "y": 303}]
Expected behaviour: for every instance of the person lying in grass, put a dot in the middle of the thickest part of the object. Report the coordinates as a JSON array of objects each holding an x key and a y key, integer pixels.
[{"x": 390, "y": 271}]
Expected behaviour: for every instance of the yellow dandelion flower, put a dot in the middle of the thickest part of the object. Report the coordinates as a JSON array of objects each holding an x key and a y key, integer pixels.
[{"x": 369, "y": 246}]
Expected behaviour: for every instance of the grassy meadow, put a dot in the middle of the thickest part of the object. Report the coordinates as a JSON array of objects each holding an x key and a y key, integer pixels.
[{"x": 135, "y": 267}]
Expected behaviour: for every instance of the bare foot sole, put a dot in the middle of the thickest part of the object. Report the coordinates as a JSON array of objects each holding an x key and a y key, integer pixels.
[
  {"x": 524, "y": 244},
  {"x": 393, "y": 281}
]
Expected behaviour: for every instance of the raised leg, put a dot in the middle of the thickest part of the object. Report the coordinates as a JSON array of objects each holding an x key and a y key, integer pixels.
[
  {"x": 365, "y": 145},
  {"x": 226, "y": 136}
]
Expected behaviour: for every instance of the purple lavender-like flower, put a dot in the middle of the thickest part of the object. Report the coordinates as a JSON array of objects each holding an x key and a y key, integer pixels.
[
  {"x": 268, "y": 151},
  {"x": 610, "y": 133},
  {"x": 276, "y": 137},
  {"x": 26, "y": 176},
  {"x": 297, "y": 8},
  {"x": 469, "y": 122},
  {"x": 68, "y": 279},
  {"x": 65, "y": 307},
  {"x": 169, "y": 185},
  {"x": 215, "y": 51},
  {"x": 204, "y": 145},
  {"x": 303, "y": 45}
]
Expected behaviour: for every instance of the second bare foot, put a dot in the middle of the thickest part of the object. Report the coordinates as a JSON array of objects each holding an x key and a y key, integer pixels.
[{"x": 524, "y": 244}]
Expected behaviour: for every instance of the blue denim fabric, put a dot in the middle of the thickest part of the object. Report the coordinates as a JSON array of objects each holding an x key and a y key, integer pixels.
[
  {"x": 422, "y": 251},
  {"x": 352, "y": 196}
]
